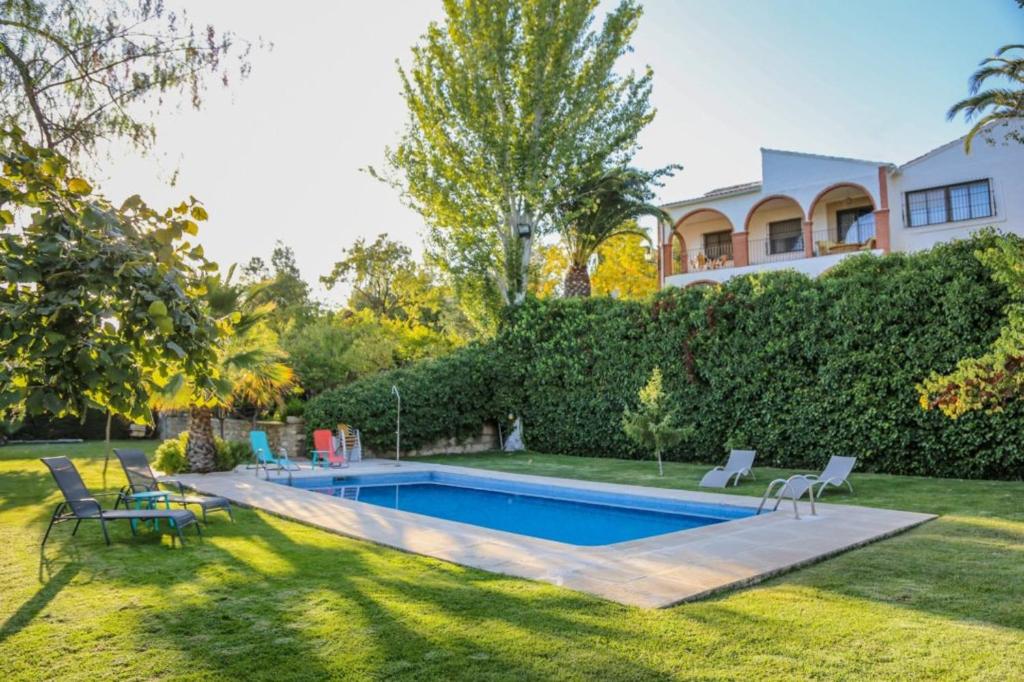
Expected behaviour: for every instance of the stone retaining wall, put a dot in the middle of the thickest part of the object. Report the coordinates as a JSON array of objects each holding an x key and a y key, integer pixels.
[
  {"x": 487, "y": 439},
  {"x": 291, "y": 434}
]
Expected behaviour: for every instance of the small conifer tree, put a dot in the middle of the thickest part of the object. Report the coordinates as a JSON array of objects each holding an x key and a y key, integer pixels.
[{"x": 653, "y": 426}]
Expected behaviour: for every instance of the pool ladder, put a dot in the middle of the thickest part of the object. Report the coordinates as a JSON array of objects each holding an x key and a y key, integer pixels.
[
  {"x": 350, "y": 493},
  {"x": 793, "y": 487}
]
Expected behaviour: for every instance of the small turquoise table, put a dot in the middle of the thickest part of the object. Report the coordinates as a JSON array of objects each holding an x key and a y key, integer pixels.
[{"x": 150, "y": 499}]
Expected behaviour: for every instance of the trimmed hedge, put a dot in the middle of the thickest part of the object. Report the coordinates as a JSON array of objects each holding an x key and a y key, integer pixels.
[
  {"x": 798, "y": 368},
  {"x": 451, "y": 396}
]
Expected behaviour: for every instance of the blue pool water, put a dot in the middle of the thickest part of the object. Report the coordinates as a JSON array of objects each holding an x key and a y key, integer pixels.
[{"x": 571, "y": 515}]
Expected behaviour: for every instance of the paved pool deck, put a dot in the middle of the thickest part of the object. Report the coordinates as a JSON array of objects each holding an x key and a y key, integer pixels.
[{"x": 651, "y": 572}]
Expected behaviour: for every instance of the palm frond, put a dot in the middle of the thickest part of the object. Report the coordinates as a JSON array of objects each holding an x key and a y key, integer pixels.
[
  {"x": 983, "y": 123},
  {"x": 605, "y": 206},
  {"x": 1006, "y": 48},
  {"x": 974, "y": 105}
]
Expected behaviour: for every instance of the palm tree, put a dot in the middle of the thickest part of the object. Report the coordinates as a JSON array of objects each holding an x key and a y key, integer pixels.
[
  {"x": 600, "y": 209},
  {"x": 994, "y": 104},
  {"x": 250, "y": 367}
]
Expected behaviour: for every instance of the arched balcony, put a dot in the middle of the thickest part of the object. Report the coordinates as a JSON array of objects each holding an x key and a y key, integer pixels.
[
  {"x": 776, "y": 230},
  {"x": 843, "y": 219},
  {"x": 704, "y": 242}
]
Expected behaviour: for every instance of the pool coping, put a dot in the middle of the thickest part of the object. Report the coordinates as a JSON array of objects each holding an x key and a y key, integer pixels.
[{"x": 657, "y": 571}]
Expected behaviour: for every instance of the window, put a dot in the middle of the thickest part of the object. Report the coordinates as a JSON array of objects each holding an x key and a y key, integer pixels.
[
  {"x": 949, "y": 204},
  {"x": 718, "y": 244},
  {"x": 855, "y": 225},
  {"x": 785, "y": 236}
]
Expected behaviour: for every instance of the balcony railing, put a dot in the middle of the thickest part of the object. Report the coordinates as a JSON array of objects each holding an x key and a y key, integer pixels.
[
  {"x": 711, "y": 257},
  {"x": 860, "y": 236},
  {"x": 775, "y": 249}
]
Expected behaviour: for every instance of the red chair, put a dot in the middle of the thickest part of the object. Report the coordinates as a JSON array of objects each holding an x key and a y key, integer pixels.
[{"x": 324, "y": 453}]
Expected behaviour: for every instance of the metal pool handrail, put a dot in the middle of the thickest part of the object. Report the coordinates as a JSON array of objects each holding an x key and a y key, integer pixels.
[{"x": 796, "y": 486}]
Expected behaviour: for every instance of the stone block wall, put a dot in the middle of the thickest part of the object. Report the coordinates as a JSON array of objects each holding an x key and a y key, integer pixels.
[
  {"x": 290, "y": 434},
  {"x": 487, "y": 439}
]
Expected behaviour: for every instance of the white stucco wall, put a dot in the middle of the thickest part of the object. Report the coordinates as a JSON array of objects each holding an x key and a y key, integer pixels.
[
  {"x": 1001, "y": 164},
  {"x": 804, "y": 177},
  {"x": 812, "y": 267},
  {"x": 801, "y": 177},
  {"x": 734, "y": 208}
]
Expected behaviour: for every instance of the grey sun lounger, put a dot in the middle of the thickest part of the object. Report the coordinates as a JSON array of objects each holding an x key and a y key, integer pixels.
[
  {"x": 836, "y": 473},
  {"x": 80, "y": 505},
  {"x": 740, "y": 464},
  {"x": 141, "y": 479}
]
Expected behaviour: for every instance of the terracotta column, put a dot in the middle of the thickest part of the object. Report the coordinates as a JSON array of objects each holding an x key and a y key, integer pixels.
[
  {"x": 808, "y": 239},
  {"x": 882, "y": 229},
  {"x": 882, "y": 214},
  {"x": 740, "y": 254},
  {"x": 666, "y": 260}
]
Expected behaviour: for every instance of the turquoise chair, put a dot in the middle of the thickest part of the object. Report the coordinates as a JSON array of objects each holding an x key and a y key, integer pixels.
[{"x": 265, "y": 456}]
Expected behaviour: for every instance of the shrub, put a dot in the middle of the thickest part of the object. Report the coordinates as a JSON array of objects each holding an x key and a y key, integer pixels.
[
  {"x": 447, "y": 397},
  {"x": 295, "y": 407},
  {"x": 170, "y": 455},
  {"x": 231, "y": 453},
  {"x": 798, "y": 368}
]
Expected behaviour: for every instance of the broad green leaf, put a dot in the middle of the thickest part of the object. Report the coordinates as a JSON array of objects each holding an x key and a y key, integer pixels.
[
  {"x": 79, "y": 186},
  {"x": 132, "y": 202},
  {"x": 158, "y": 308},
  {"x": 178, "y": 350},
  {"x": 199, "y": 213}
]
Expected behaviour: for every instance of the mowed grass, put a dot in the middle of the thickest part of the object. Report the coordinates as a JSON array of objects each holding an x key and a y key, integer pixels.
[{"x": 265, "y": 598}]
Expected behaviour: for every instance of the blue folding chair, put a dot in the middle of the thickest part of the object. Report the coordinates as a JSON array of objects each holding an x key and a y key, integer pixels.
[{"x": 265, "y": 456}]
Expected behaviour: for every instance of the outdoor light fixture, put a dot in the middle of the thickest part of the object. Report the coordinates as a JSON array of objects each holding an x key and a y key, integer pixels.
[{"x": 524, "y": 230}]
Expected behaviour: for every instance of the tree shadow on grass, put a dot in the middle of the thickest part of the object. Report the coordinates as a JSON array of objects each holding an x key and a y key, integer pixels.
[
  {"x": 965, "y": 569},
  {"x": 236, "y": 615},
  {"x": 52, "y": 584},
  {"x": 24, "y": 489}
]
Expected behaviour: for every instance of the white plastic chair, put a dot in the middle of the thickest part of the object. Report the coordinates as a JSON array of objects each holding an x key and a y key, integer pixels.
[
  {"x": 836, "y": 473},
  {"x": 740, "y": 464}
]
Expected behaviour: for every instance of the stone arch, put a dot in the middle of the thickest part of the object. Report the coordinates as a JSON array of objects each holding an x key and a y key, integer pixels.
[
  {"x": 840, "y": 185},
  {"x": 765, "y": 200}
]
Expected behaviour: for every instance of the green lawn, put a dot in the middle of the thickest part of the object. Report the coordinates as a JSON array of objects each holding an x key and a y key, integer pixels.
[{"x": 269, "y": 599}]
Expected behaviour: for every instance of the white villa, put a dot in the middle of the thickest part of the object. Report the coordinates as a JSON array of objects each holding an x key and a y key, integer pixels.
[{"x": 809, "y": 211}]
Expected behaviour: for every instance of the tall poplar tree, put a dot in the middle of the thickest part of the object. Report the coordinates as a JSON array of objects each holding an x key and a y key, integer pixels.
[
  {"x": 512, "y": 104},
  {"x": 74, "y": 72}
]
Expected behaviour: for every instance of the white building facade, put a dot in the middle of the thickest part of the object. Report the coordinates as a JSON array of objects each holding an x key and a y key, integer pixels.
[{"x": 810, "y": 211}]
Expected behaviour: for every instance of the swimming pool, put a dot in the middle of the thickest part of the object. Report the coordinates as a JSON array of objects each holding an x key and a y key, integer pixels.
[{"x": 553, "y": 512}]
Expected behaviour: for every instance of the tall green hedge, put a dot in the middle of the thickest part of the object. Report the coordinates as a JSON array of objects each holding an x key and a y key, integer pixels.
[
  {"x": 451, "y": 396},
  {"x": 798, "y": 368}
]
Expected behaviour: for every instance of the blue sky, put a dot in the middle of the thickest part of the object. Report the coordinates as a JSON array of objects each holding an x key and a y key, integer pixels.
[{"x": 278, "y": 156}]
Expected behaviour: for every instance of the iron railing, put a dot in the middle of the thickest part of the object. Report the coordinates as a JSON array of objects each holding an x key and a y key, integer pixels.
[
  {"x": 859, "y": 237},
  {"x": 711, "y": 257}
]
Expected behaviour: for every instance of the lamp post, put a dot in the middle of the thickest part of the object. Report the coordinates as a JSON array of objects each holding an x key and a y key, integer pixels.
[{"x": 398, "y": 427}]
